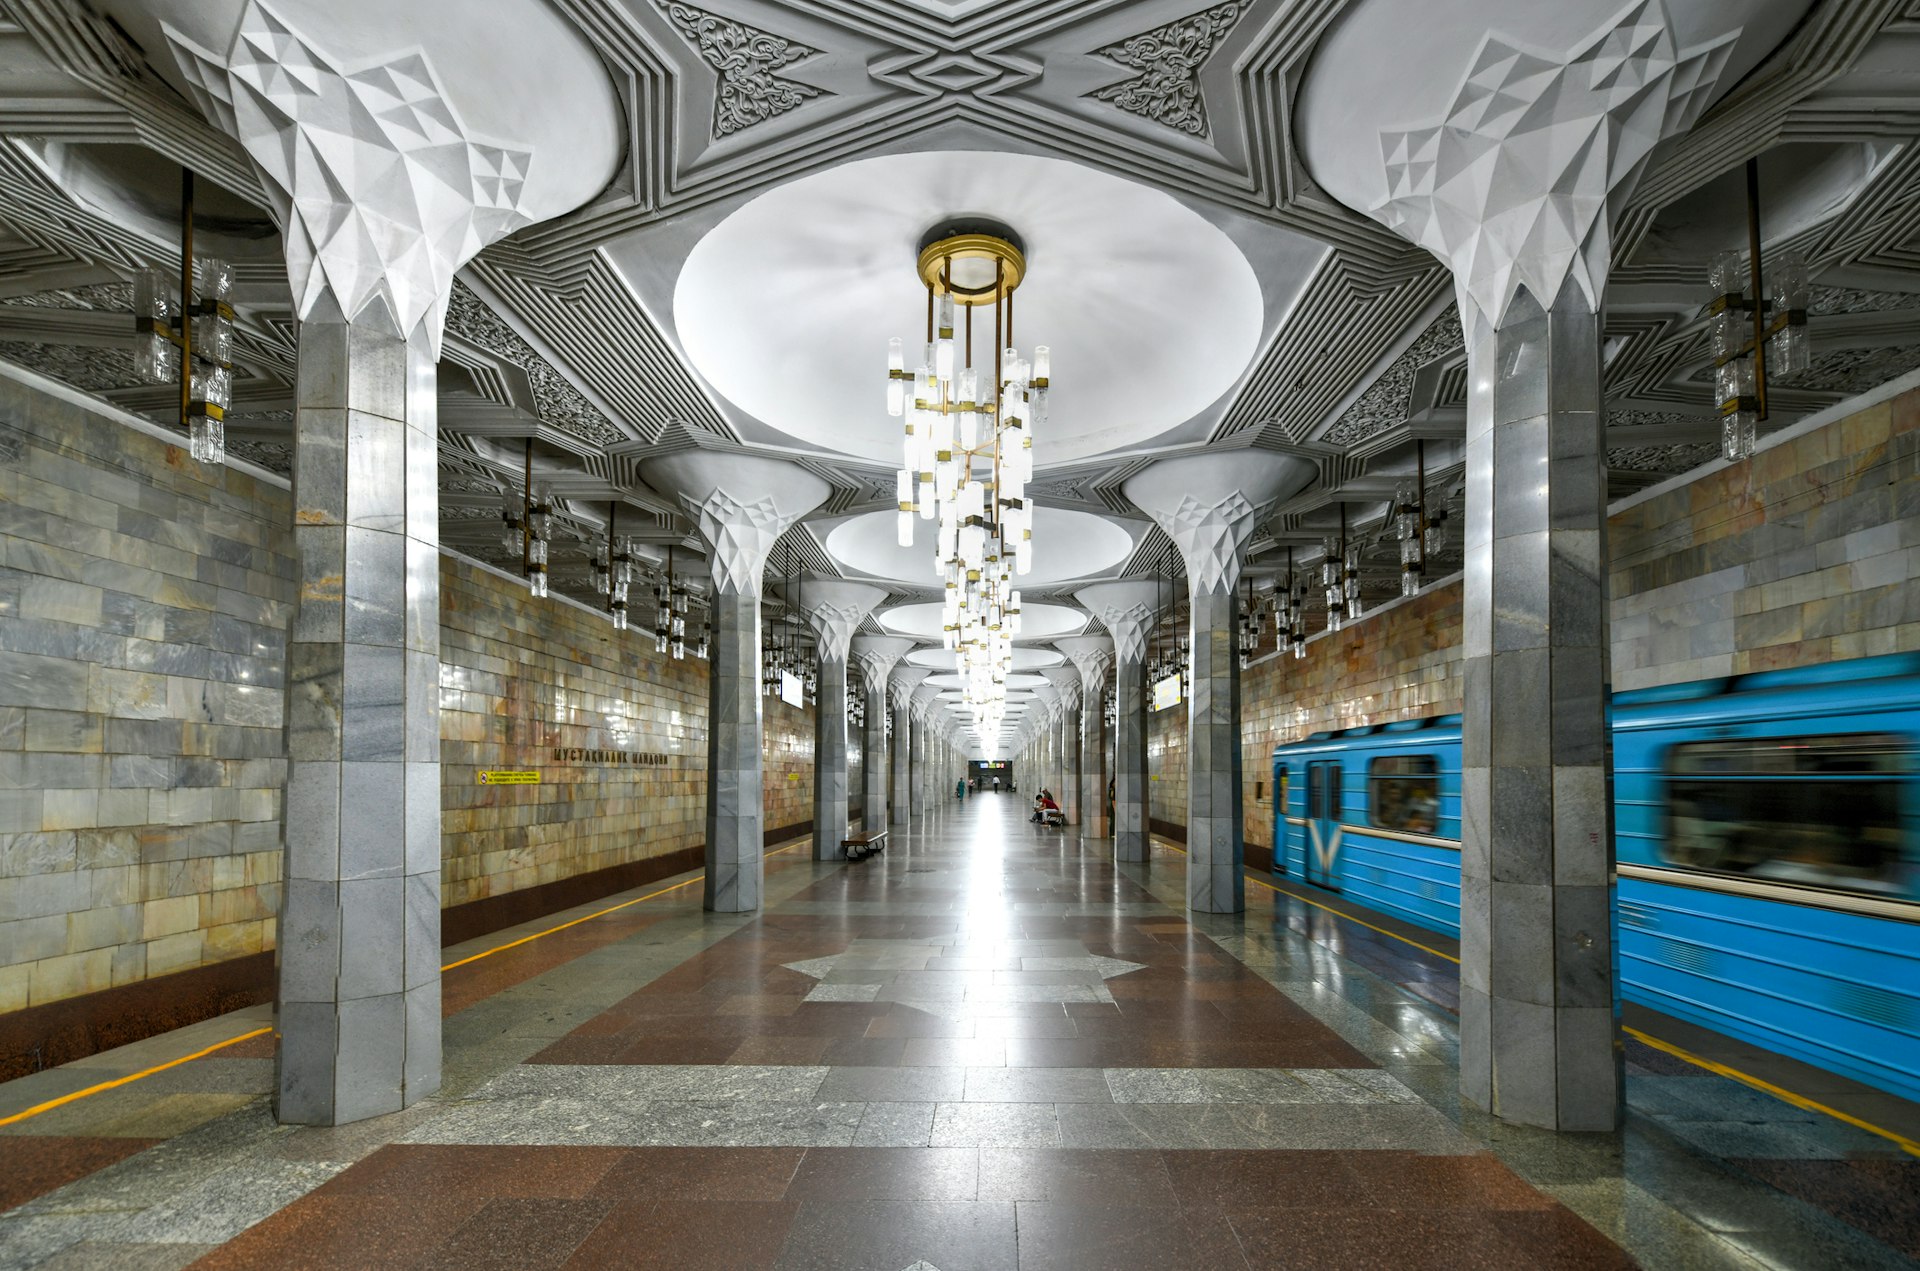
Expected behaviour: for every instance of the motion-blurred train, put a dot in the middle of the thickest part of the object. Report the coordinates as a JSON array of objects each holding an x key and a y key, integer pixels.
[{"x": 1768, "y": 837}]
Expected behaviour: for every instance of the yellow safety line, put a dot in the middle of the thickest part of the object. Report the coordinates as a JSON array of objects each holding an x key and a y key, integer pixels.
[
  {"x": 1905, "y": 1144},
  {"x": 64, "y": 1099},
  {"x": 51, "y": 1104}
]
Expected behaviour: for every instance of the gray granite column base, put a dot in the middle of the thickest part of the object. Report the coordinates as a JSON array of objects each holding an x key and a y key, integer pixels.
[
  {"x": 1215, "y": 843},
  {"x": 1539, "y": 1037},
  {"x": 873, "y": 762},
  {"x": 1130, "y": 843},
  {"x": 902, "y": 811},
  {"x": 359, "y": 947},
  {"x": 830, "y": 760},
  {"x": 1093, "y": 770},
  {"x": 735, "y": 811}
]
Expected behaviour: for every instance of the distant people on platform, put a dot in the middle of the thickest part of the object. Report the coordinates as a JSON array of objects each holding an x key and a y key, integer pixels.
[
  {"x": 996, "y": 785},
  {"x": 960, "y": 788},
  {"x": 1046, "y": 811}
]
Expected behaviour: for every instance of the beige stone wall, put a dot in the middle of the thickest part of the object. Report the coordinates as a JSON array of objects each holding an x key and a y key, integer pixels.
[
  {"x": 1167, "y": 765},
  {"x": 1401, "y": 661},
  {"x": 143, "y": 609},
  {"x": 787, "y": 778},
  {"x": 521, "y": 678},
  {"x": 1807, "y": 553}
]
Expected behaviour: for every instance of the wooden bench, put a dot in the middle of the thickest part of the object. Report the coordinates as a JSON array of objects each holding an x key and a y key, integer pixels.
[{"x": 860, "y": 846}]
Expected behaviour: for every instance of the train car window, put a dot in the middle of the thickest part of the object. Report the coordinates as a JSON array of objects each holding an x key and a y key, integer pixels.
[
  {"x": 1820, "y": 811},
  {"x": 1403, "y": 793}
]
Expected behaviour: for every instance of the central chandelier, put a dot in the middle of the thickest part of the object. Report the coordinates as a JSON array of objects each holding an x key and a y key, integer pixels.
[{"x": 968, "y": 442}]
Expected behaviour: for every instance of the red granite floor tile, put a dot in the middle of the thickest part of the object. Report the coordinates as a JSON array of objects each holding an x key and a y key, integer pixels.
[
  {"x": 513, "y": 1233},
  {"x": 1076, "y": 1176},
  {"x": 688, "y": 1235},
  {"x": 38, "y": 1164},
  {"x": 780, "y": 1050},
  {"x": 892, "y": 1234},
  {"x": 646, "y": 1175},
  {"x": 1407, "y": 1180},
  {"x": 1088, "y": 1237},
  {"x": 678, "y": 1050},
  {"x": 1243, "y": 1180},
  {"x": 1351, "y": 1239},
  {"x": 887, "y": 1173},
  {"x": 324, "y": 1232},
  {"x": 479, "y": 1173},
  {"x": 1556, "y": 1238}
]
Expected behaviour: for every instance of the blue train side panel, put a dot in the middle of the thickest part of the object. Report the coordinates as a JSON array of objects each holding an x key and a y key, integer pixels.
[{"x": 1829, "y": 979}]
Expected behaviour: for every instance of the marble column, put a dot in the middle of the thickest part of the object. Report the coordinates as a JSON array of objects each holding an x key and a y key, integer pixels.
[
  {"x": 1209, "y": 505},
  {"x": 741, "y": 505},
  {"x": 900, "y": 696},
  {"x": 1518, "y": 201},
  {"x": 926, "y": 775},
  {"x": 1092, "y": 656},
  {"x": 359, "y": 960},
  {"x": 1126, "y": 610},
  {"x": 1538, "y": 996},
  {"x": 835, "y": 608},
  {"x": 876, "y": 656},
  {"x": 1066, "y": 682}
]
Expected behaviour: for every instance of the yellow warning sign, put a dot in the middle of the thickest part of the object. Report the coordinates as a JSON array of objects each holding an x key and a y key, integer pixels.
[{"x": 498, "y": 778}]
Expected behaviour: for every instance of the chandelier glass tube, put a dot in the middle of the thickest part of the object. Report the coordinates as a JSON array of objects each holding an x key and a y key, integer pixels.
[{"x": 967, "y": 441}]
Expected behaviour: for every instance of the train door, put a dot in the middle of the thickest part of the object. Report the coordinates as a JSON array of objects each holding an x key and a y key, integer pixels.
[
  {"x": 1282, "y": 832},
  {"x": 1323, "y": 825}
]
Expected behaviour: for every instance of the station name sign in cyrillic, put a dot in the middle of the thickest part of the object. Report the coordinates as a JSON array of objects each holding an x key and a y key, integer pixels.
[{"x": 611, "y": 758}]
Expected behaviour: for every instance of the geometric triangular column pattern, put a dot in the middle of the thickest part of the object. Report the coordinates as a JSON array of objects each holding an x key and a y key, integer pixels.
[
  {"x": 1209, "y": 505},
  {"x": 900, "y": 690},
  {"x": 1126, "y": 609},
  {"x": 875, "y": 656},
  {"x": 741, "y": 505},
  {"x": 835, "y": 609},
  {"x": 1093, "y": 657}
]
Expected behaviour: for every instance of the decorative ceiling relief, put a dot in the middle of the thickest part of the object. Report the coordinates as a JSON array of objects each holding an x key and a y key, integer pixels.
[
  {"x": 1388, "y": 400},
  {"x": 558, "y": 402},
  {"x": 1516, "y": 186},
  {"x": 1169, "y": 58},
  {"x": 381, "y": 192},
  {"x": 749, "y": 90}
]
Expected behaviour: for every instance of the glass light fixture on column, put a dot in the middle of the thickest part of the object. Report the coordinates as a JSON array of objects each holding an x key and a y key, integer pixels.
[
  {"x": 539, "y": 523},
  {"x": 1333, "y": 577},
  {"x": 1410, "y": 524},
  {"x": 1757, "y": 328},
  {"x": 968, "y": 447},
  {"x": 184, "y": 335}
]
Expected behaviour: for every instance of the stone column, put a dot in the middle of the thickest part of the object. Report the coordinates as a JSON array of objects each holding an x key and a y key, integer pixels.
[
  {"x": 835, "y": 609},
  {"x": 876, "y": 656},
  {"x": 1209, "y": 505},
  {"x": 900, "y": 697},
  {"x": 1126, "y": 610},
  {"x": 926, "y": 779},
  {"x": 359, "y": 1000},
  {"x": 1518, "y": 202},
  {"x": 1538, "y": 999},
  {"x": 1066, "y": 681},
  {"x": 741, "y": 505},
  {"x": 1092, "y": 656},
  {"x": 370, "y": 264}
]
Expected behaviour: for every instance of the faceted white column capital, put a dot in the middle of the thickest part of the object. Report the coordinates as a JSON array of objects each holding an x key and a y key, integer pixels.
[
  {"x": 741, "y": 505},
  {"x": 1210, "y": 504},
  {"x": 381, "y": 188},
  {"x": 901, "y": 687},
  {"x": 1092, "y": 656},
  {"x": 1514, "y": 178},
  {"x": 923, "y": 700},
  {"x": 1126, "y": 610},
  {"x": 835, "y": 608},
  {"x": 1066, "y": 682},
  {"x": 876, "y": 657}
]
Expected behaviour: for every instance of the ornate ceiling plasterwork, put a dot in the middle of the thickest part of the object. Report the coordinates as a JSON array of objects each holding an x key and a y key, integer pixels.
[
  {"x": 1168, "y": 59},
  {"x": 749, "y": 88}
]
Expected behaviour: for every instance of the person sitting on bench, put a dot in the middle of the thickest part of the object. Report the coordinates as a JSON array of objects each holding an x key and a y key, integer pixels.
[{"x": 1048, "y": 812}]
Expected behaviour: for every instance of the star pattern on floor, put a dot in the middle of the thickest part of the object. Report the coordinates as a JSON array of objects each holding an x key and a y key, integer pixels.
[{"x": 986, "y": 974}]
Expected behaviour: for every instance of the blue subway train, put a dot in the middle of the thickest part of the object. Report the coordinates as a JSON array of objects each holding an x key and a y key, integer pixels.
[{"x": 1768, "y": 836}]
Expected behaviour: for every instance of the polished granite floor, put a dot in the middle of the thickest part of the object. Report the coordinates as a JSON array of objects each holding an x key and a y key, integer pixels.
[{"x": 988, "y": 1048}]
